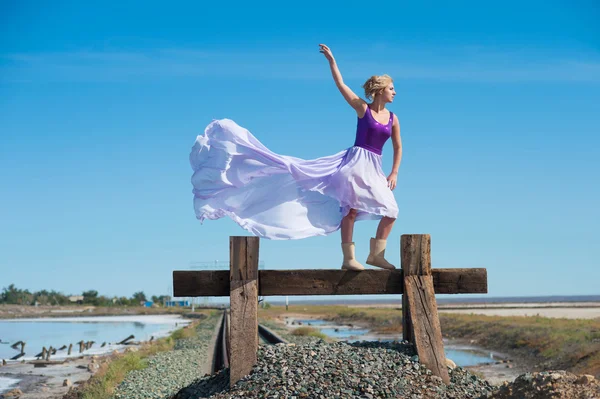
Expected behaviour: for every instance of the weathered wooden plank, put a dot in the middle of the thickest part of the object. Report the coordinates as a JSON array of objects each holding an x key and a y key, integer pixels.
[
  {"x": 243, "y": 261},
  {"x": 243, "y": 329},
  {"x": 328, "y": 282},
  {"x": 460, "y": 281},
  {"x": 426, "y": 331},
  {"x": 415, "y": 254},
  {"x": 415, "y": 258},
  {"x": 200, "y": 283}
]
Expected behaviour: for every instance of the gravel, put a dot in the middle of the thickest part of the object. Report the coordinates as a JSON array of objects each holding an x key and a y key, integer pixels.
[
  {"x": 550, "y": 384},
  {"x": 168, "y": 372},
  {"x": 338, "y": 370}
]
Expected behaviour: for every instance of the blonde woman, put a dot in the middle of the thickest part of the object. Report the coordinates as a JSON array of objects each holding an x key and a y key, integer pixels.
[{"x": 282, "y": 197}]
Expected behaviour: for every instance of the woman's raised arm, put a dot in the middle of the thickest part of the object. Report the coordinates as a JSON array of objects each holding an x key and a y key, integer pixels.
[{"x": 355, "y": 101}]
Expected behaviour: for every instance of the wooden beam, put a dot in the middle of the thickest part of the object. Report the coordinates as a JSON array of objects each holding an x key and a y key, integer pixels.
[
  {"x": 243, "y": 328},
  {"x": 328, "y": 282}
]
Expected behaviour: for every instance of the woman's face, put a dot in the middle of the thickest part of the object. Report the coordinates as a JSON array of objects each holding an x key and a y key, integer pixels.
[{"x": 388, "y": 93}]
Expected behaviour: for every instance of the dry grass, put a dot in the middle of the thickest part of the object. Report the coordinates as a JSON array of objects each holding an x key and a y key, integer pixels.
[
  {"x": 310, "y": 332},
  {"x": 569, "y": 344},
  {"x": 104, "y": 382}
]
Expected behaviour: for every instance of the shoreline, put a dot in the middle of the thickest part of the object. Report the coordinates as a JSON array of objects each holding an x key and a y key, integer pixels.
[
  {"x": 507, "y": 366},
  {"x": 48, "y": 311},
  {"x": 45, "y": 380},
  {"x": 48, "y": 382}
]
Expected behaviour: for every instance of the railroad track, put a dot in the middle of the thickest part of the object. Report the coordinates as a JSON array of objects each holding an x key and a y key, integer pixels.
[{"x": 221, "y": 353}]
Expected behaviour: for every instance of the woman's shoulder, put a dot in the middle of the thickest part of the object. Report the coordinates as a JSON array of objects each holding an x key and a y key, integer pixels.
[{"x": 361, "y": 108}]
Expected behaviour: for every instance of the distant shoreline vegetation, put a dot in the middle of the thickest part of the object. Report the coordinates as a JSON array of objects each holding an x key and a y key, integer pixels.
[{"x": 12, "y": 295}]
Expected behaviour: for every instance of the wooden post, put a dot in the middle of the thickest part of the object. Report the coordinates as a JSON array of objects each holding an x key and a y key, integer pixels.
[
  {"x": 420, "y": 321},
  {"x": 243, "y": 285},
  {"x": 70, "y": 348},
  {"x": 415, "y": 259}
]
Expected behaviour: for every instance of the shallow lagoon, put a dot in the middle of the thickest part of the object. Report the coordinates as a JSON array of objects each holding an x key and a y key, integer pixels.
[
  {"x": 57, "y": 332},
  {"x": 462, "y": 357}
]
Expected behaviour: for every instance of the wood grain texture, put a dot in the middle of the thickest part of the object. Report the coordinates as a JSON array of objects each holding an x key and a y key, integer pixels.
[
  {"x": 415, "y": 258},
  {"x": 427, "y": 334},
  {"x": 243, "y": 300},
  {"x": 328, "y": 282},
  {"x": 243, "y": 258}
]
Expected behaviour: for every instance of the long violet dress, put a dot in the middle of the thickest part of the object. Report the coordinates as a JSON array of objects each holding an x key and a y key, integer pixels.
[{"x": 282, "y": 197}]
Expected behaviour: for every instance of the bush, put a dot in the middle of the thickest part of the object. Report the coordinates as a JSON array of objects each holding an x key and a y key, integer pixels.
[{"x": 309, "y": 331}]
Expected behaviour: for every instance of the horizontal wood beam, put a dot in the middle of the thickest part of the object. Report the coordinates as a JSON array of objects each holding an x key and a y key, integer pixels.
[{"x": 328, "y": 282}]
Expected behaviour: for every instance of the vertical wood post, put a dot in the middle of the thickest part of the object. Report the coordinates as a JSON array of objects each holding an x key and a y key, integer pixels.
[
  {"x": 420, "y": 322},
  {"x": 243, "y": 330},
  {"x": 415, "y": 260}
]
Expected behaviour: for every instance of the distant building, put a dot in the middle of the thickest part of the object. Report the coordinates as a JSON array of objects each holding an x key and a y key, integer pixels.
[
  {"x": 148, "y": 304},
  {"x": 76, "y": 299},
  {"x": 176, "y": 303}
]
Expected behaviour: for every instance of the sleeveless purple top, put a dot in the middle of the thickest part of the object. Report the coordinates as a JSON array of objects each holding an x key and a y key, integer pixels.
[{"x": 372, "y": 135}]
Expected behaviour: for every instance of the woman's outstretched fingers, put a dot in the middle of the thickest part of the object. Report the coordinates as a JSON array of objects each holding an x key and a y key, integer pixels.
[{"x": 326, "y": 51}]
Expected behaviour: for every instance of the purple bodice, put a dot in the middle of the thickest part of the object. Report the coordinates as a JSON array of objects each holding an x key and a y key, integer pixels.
[{"x": 372, "y": 135}]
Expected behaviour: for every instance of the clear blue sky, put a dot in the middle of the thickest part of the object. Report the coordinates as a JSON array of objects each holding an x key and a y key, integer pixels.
[{"x": 101, "y": 103}]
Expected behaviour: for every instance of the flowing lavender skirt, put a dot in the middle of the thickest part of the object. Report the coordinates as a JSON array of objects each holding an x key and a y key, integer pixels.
[{"x": 281, "y": 197}]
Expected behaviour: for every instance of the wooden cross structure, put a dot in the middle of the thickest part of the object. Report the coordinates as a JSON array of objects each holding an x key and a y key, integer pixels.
[{"x": 416, "y": 281}]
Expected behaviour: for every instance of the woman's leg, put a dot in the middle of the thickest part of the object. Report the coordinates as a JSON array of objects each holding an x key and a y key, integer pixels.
[
  {"x": 348, "y": 226},
  {"x": 385, "y": 227},
  {"x": 350, "y": 262}
]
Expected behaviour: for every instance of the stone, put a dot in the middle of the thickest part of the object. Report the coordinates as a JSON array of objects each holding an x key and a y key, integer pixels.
[
  {"x": 451, "y": 365},
  {"x": 585, "y": 379},
  {"x": 436, "y": 379},
  {"x": 13, "y": 393},
  {"x": 67, "y": 383}
]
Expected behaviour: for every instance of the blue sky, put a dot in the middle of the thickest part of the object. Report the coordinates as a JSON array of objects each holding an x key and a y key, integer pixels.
[{"x": 100, "y": 105}]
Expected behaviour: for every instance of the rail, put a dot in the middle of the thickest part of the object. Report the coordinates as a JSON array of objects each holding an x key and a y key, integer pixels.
[{"x": 221, "y": 360}]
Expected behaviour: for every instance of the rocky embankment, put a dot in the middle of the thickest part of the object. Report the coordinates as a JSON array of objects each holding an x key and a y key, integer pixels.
[
  {"x": 339, "y": 370},
  {"x": 312, "y": 368},
  {"x": 168, "y": 372},
  {"x": 550, "y": 384}
]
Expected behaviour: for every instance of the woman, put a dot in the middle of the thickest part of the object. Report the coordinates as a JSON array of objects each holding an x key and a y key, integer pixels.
[{"x": 281, "y": 197}]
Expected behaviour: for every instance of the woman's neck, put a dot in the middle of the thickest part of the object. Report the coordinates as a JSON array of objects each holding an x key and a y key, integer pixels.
[{"x": 377, "y": 106}]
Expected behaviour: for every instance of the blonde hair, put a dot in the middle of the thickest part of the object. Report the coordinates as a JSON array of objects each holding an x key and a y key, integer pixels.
[{"x": 375, "y": 84}]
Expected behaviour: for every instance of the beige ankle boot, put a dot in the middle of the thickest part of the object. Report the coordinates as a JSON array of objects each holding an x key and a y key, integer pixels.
[
  {"x": 350, "y": 263},
  {"x": 376, "y": 255}
]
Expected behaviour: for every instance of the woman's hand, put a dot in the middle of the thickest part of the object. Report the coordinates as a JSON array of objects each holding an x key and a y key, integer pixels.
[
  {"x": 391, "y": 180},
  {"x": 326, "y": 51}
]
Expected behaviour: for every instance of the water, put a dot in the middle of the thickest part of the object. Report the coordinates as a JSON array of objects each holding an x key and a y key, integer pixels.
[
  {"x": 465, "y": 358},
  {"x": 462, "y": 357},
  {"x": 6, "y": 384},
  {"x": 57, "y": 332}
]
